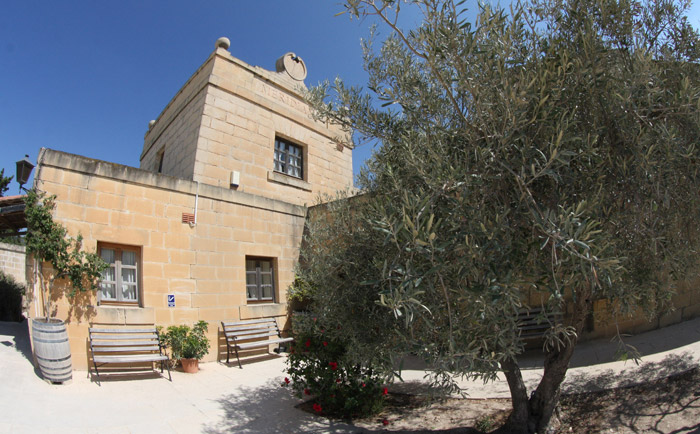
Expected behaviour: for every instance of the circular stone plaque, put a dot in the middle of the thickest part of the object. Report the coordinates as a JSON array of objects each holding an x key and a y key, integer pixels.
[{"x": 292, "y": 65}]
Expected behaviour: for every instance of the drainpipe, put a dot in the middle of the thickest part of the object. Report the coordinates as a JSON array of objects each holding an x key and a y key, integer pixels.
[{"x": 196, "y": 202}]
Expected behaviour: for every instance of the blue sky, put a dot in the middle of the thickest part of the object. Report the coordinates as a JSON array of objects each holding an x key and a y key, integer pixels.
[{"x": 86, "y": 76}]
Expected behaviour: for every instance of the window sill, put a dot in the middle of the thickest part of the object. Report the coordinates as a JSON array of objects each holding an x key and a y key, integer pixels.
[
  {"x": 112, "y": 305},
  {"x": 273, "y": 176},
  {"x": 110, "y": 314},
  {"x": 262, "y": 310}
]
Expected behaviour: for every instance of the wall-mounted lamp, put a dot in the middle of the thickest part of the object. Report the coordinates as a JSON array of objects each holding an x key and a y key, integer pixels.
[{"x": 24, "y": 169}]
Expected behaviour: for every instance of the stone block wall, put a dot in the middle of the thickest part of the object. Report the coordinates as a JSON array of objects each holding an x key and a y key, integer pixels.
[
  {"x": 226, "y": 118},
  {"x": 13, "y": 261},
  {"x": 202, "y": 265},
  {"x": 602, "y": 323}
]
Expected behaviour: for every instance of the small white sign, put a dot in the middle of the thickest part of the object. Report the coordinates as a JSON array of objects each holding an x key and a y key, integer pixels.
[{"x": 171, "y": 300}]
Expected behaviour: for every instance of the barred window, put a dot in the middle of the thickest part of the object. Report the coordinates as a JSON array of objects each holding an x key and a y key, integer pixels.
[
  {"x": 120, "y": 281},
  {"x": 289, "y": 158},
  {"x": 260, "y": 279}
]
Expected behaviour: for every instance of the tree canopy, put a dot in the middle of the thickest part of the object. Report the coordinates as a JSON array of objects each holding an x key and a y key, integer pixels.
[
  {"x": 550, "y": 147},
  {"x": 4, "y": 182}
]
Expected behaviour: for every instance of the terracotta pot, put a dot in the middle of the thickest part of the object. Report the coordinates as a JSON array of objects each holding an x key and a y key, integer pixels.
[{"x": 191, "y": 366}]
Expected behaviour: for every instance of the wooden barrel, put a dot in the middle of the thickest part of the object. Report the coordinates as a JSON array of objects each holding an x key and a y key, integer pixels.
[{"x": 52, "y": 349}]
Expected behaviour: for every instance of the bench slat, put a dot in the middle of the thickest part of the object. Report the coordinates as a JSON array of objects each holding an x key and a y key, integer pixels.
[
  {"x": 249, "y": 321},
  {"x": 101, "y": 336},
  {"x": 534, "y": 322},
  {"x": 249, "y": 332},
  {"x": 248, "y": 337},
  {"x": 251, "y": 326},
  {"x": 102, "y": 343},
  {"x": 263, "y": 343},
  {"x": 130, "y": 359},
  {"x": 125, "y": 349},
  {"x": 121, "y": 331}
]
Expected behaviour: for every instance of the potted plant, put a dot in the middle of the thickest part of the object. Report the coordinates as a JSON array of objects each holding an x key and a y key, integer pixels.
[
  {"x": 49, "y": 243},
  {"x": 188, "y": 345}
]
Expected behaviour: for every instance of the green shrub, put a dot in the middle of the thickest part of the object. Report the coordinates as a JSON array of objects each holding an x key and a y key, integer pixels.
[
  {"x": 320, "y": 369},
  {"x": 11, "y": 293},
  {"x": 301, "y": 290},
  {"x": 185, "y": 342}
]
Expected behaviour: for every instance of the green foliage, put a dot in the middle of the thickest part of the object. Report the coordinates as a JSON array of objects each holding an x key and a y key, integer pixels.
[
  {"x": 551, "y": 148},
  {"x": 185, "y": 342},
  {"x": 48, "y": 241},
  {"x": 321, "y": 370},
  {"x": 484, "y": 424},
  {"x": 11, "y": 294},
  {"x": 300, "y": 290},
  {"x": 4, "y": 182}
]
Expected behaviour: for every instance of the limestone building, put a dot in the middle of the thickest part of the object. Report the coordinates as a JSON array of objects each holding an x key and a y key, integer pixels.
[{"x": 209, "y": 227}]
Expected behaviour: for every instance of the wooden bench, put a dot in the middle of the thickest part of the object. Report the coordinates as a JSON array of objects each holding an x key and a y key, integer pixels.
[
  {"x": 125, "y": 345},
  {"x": 254, "y": 333},
  {"x": 533, "y": 325}
]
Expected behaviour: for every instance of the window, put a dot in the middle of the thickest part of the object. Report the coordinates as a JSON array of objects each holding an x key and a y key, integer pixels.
[
  {"x": 120, "y": 282},
  {"x": 259, "y": 279},
  {"x": 159, "y": 160},
  {"x": 289, "y": 158}
]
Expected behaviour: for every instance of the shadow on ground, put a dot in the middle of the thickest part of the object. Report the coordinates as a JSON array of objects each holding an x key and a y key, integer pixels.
[
  {"x": 19, "y": 333},
  {"x": 672, "y": 364},
  {"x": 272, "y": 408},
  {"x": 16, "y": 335},
  {"x": 650, "y": 405}
]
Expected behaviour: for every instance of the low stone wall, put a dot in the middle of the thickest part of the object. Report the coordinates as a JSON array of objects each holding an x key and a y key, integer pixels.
[
  {"x": 602, "y": 324},
  {"x": 13, "y": 261}
]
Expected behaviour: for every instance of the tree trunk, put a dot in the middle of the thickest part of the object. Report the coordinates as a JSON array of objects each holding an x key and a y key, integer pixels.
[
  {"x": 546, "y": 397},
  {"x": 534, "y": 415},
  {"x": 518, "y": 419}
]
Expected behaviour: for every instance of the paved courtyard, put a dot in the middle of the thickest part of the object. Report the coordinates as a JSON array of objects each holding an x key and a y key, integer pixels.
[{"x": 224, "y": 398}]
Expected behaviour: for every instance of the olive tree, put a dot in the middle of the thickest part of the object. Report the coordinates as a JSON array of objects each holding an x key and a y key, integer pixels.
[{"x": 551, "y": 147}]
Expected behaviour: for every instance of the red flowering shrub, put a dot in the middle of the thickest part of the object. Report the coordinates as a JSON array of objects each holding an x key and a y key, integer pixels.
[{"x": 324, "y": 372}]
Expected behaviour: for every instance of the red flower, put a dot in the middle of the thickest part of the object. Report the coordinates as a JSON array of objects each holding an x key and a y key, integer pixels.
[
  {"x": 332, "y": 396},
  {"x": 385, "y": 391},
  {"x": 325, "y": 344},
  {"x": 338, "y": 380},
  {"x": 363, "y": 384},
  {"x": 307, "y": 392},
  {"x": 286, "y": 380},
  {"x": 308, "y": 343},
  {"x": 317, "y": 408},
  {"x": 385, "y": 422},
  {"x": 333, "y": 365}
]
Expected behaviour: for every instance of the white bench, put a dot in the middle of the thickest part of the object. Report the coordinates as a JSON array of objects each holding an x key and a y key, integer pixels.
[
  {"x": 533, "y": 324},
  {"x": 125, "y": 345},
  {"x": 254, "y": 333}
]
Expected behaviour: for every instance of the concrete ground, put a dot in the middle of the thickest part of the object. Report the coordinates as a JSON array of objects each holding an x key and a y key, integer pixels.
[{"x": 224, "y": 398}]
